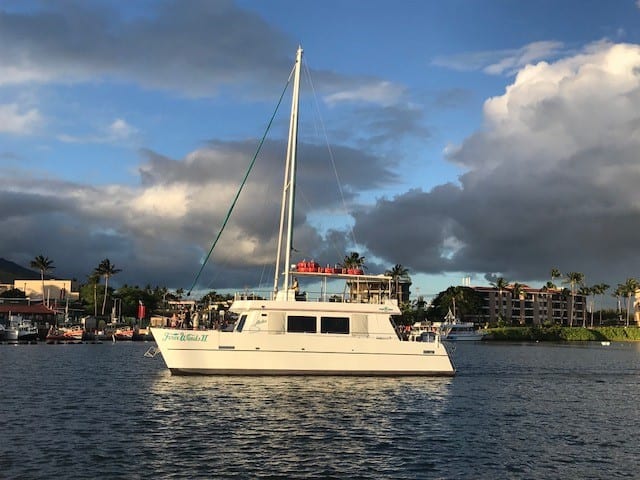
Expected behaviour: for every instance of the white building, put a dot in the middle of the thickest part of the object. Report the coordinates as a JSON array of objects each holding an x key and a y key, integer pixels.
[{"x": 55, "y": 291}]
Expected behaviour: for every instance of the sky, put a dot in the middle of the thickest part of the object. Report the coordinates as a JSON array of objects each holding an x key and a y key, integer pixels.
[{"x": 459, "y": 139}]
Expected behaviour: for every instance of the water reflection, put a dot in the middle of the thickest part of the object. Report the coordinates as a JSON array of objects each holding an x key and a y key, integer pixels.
[
  {"x": 512, "y": 411},
  {"x": 311, "y": 423}
]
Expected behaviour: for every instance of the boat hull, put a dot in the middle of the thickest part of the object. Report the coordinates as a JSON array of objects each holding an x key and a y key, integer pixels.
[
  {"x": 463, "y": 338},
  {"x": 18, "y": 336},
  {"x": 11, "y": 335},
  {"x": 213, "y": 352}
]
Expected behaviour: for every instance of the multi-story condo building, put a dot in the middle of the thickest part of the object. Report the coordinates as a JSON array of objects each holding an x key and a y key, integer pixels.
[{"x": 533, "y": 306}]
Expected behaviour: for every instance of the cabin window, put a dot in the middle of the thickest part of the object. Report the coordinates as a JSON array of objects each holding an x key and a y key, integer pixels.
[
  {"x": 301, "y": 324},
  {"x": 334, "y": 325},
  {"x": 240, "y": 326}
]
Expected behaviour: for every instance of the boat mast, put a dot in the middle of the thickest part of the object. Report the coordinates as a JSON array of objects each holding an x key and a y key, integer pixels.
[{"x": 288, "y": 191}]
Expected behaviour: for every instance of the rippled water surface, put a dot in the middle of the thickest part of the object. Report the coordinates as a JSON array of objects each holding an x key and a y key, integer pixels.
[{"x": 513, "y": 411}]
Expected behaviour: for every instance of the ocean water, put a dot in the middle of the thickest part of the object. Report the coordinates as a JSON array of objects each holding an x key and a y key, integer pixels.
[{"x": 521, "y": 411}]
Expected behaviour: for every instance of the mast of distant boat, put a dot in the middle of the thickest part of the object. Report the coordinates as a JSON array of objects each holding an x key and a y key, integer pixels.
[{"x": 288, "y": 191}]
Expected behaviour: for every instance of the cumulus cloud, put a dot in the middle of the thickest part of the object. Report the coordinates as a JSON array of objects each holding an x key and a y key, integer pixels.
[
  {"x": 551, "y": 179},
  {"x": 16, "y": 120}
]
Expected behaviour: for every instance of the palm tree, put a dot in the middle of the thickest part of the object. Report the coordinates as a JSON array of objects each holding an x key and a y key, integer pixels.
[
  {"x": 618, "y": 293},
  {"x": 517, "y": 291},
  {"x": 354, "y": 260},
  {"x": 397, "y": 273},
  {"x": 600, "y": 289},
  {"x": 630, "y": 287},
  {"x": 546, "y": 288},
  {"x": 587, "y": 292},
  {"x": 456, "y": 295},
  {"x": 94, "y": 279},
  {"x": 555, "y": 274},
  {"x": 500, "y": 284},
  {"x": 107, "y": 270},
  {"x": 573, "y": 279},
  {"x": 43, "y": 264},
  {"x": 419, "y": 306}
]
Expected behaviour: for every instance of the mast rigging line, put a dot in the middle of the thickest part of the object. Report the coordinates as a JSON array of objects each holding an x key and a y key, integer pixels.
[
  {"x": 330, "y": 151},
  {"x": 244, "y": 181}
]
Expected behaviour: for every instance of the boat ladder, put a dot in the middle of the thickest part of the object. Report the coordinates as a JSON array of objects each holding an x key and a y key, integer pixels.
[{"x": 152, "y": 352}]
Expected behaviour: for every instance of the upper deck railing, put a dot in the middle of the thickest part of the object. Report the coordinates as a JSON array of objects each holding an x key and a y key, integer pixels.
[{"x": 374, "y": 289}]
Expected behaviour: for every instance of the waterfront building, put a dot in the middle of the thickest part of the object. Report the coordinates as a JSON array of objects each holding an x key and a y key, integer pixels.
[
  {"x": 55, "y": 292},
  {"x": 534, "y": 306}
]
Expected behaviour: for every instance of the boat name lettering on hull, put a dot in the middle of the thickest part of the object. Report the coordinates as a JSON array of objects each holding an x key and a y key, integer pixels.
[{"x": 185, "y": 337}]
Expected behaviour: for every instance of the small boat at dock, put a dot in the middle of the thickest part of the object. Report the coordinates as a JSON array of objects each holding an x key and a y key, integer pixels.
[
  {"x": 123, "y": 334},
  {"x": 20, "y": 330},
  {"x": 461, "y": 332},
  {"x": 74, "y": 334}
]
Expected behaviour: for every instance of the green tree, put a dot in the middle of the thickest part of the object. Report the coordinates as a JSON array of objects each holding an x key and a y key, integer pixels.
[
  {"x": 547, "y": 291},
  {"x": 587, "y": 292},
  {"x": 407, "y": 316},
  {"x": 573, "y": 279},
  {"x": 463, "y": 302},
  {"x": 354, "y": 260},
  {"x": 419, "y": 309},
  {"x": 618, "y": 293},
  {"x": 94, "y": 279},
  {"x": 501, "y": 284},
  {"x": 215, "y": 297},
  {"x": 517, "y": 291},
  {"x": 44, "y": 265},
  {"x": 107, "y": 270},
  {"x": 397, "y": 273},
  {"x": 130, "y": 297},
  {"x": 630, "y": 287},
  {"x": 601, "y": 289}
]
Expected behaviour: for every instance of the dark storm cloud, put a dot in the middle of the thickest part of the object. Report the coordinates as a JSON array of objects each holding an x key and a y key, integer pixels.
[
  {"x": 552, "y": 181},
  {"x": 163, "y": 229},
  {"x": 193, "y": 47}
]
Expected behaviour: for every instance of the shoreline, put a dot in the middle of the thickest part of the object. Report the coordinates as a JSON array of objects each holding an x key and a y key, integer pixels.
[{"x": 563, "y": 334}]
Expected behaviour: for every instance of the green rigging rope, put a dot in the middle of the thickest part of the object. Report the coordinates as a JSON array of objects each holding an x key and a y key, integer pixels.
[{"x": 244, "y": 180}]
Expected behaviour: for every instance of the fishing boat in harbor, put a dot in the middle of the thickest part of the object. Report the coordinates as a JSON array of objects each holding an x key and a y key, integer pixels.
[
  {"x": 453, "y": 330},
  {"x": 73, "y": 334},
  {"x": 20, "y": 330},
  {"x": 461, "y": 332},
  {"x": 21, "y": 321},
  {"x": 293, "y": 332},
  {"x": 123, "y": 334}
]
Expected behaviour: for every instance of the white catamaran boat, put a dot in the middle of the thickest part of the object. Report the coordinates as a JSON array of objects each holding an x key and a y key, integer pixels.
[{"x": 290, "y": 333}]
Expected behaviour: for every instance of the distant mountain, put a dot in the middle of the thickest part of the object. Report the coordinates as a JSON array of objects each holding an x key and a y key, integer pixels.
[{"x": 10, "y": 271}]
